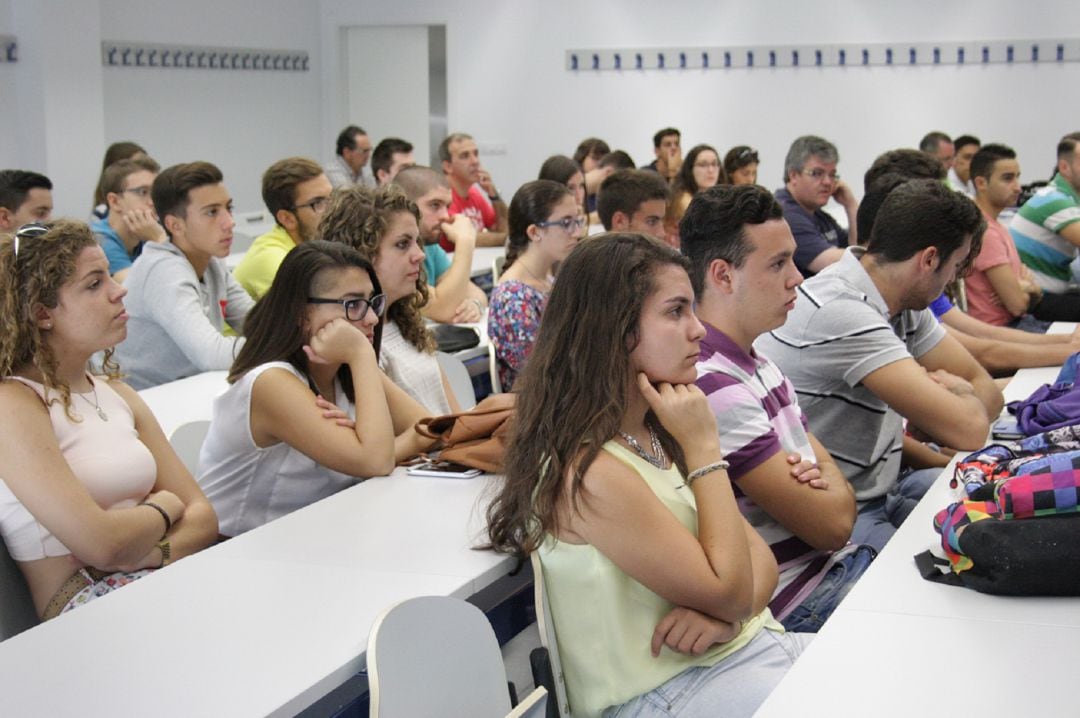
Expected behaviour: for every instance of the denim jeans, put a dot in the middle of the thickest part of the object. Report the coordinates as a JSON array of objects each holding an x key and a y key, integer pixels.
[
  {"x": 879, "y": 518},
  {"x": 810, "y": 615},
  {"x": 734, "y": 687}
]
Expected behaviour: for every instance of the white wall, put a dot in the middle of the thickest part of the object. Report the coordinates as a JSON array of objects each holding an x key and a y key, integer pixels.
[
  {"x": 241, "y": 121},
  {"x": 506, "y": 80}
]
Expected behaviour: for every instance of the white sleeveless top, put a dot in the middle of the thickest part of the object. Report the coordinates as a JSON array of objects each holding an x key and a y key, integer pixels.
[
  {"x": 414, "y": 371},
  {"x": 248, "y": 485},
  {"x": 106, "y": 456}
]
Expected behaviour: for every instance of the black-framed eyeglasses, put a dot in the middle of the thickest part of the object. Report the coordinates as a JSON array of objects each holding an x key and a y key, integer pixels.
[
  {"x": 316, "y": 205},
  {"x": 142, "y": 192},
  {"x": 32, "y": 230},
  {"x": 356, "y": 309},
  {"x": 568, "y": 224}
]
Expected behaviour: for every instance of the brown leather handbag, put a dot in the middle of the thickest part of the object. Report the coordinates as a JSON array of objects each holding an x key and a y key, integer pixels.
[{"x": 477, "y": 437}]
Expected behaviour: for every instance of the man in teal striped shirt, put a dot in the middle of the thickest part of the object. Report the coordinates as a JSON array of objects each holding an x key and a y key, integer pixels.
[{"x": 1046, "y": 230}]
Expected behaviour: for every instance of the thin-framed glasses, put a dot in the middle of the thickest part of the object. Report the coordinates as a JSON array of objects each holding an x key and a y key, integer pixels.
[
  {"x": 33, "y": 230},
  {"x": 568, "y": 224},
  {"x": 817, "y": 174},
  {"x": 356, "y": 309},
  {"x": 316, "y": 205}
]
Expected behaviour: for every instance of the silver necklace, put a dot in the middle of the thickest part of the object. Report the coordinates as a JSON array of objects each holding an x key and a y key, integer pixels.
[
  {"x": 96, "y": 404},
  {"x": 657, "y": 458},
  {"x": 541, "y": 282}
]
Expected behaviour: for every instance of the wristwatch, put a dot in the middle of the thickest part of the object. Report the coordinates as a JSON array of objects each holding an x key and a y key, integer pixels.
[{"x": 166, "y": 552}]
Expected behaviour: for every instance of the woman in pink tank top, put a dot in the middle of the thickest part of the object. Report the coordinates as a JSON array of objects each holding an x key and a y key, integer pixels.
[{"x": 92, "y": 494}]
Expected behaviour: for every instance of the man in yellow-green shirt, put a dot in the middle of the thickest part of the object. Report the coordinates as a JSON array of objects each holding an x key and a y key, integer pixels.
[{"x": 295, "y": 191}]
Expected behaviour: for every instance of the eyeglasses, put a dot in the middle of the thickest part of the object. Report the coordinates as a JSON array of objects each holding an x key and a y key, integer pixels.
[
  {"x": 817, "y": 174},
  {"x": 707, "y": 165},
  {"x": 356, "y": 309},
  {"x": 142, "y": 192},
  {"x": 568, "y": 224},
  {"x": 316, "y": 205},
  {"x": 33, "y": 230}
]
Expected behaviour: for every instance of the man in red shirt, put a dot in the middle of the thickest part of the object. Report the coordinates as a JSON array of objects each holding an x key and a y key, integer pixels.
[{"x": 469, "y": 183}]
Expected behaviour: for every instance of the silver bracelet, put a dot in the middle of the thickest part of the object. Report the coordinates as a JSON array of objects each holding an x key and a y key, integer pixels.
[{"x": 707, "y": 469}]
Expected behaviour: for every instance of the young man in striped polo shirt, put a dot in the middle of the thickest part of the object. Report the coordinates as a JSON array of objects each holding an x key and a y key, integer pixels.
[
  {"x": 1046, "y": 230},
  {"x": 788, "y": 487},
  {"x": 865, "y": 353}
]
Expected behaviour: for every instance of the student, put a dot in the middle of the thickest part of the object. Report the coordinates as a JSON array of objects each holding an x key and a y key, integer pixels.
[
  {"x": 614, "y": 475},
  {"x": 562, "y": 169},
  {"x": 24, "y": 197},
  {"x": 700, "y": 171},
  {"x": 295, "y": 192},
  {"x": 93, "y": 494},
  {"x": 130, "y": 220},
  {"x": 308, "y": 413},
  {"x": 453, "y": 298},
  {"x": 864, "y": 351},
  {"x": 382, "y": 225},
  {"x": 740, "y": 165},
  {"x": 634, "y": 201},
  {"x": 116, "y": 152},
  {"x": 788, "y": 486},
  {"x": 545, "y": 224},
  {"x": 474, "y": 193},
  {"x": 181, "y": 294}
]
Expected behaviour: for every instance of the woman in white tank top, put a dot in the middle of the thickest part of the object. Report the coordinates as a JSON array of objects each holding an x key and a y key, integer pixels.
[{"x": 92, "y": 494}]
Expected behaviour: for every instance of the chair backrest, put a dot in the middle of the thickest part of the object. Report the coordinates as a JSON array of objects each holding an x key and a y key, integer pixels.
[
  {"x": 497, "y": 265},
  {"x": 533, "y": 706},
  {"x": 547, "y": 636},
  {"x": 187, "y": 442},
  {"x": 460, "y": 381},
  {"x": 435, "y": 656},
  {"x": 493, "y": 368},
  {"x": 16, "y": 607}
]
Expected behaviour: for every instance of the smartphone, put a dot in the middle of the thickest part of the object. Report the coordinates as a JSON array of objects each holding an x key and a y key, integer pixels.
[
  {"x": 1006, "y": 428},
  {"x": 444, "y": 470}
]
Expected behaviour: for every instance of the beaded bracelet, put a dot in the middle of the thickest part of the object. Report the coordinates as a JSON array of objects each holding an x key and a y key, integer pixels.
[
  {"x": 707, "y": 469},
  {"x": 164, "y": 515}
]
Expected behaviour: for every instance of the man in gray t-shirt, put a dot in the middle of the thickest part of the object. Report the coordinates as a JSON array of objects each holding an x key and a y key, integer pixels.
[{"x": 864, "y": 353}]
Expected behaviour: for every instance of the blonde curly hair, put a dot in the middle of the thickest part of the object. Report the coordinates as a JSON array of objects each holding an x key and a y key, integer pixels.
[
  {"x": 45, "y": 262},
  {"x": 359, "y": 217}
]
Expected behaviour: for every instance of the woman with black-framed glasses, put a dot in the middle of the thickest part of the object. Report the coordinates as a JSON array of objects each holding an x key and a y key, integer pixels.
[
  {"x": 546, "y": 223},
  {"x": 93, "y": 494},
  {"x": 309, "y": 412}
]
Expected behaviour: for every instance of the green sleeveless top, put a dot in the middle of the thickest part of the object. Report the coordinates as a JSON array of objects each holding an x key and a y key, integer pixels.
[{"x": 604, "y": 619}]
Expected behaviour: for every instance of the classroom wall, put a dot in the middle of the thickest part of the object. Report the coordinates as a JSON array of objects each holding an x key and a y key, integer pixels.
[{"x": 507, "y": 82}]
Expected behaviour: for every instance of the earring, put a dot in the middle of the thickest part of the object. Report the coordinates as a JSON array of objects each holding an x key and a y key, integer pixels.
[{"x": 48, "y": 326}]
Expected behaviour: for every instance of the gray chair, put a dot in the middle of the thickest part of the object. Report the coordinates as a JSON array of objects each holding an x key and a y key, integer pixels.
[
  {"x": 438, "y": 656},
  {"x": 187, "y": 442},
  {"x": 458, "y": 377},
  {"x": 497, "y": 265},
  {"x": 549, "y": 641},
  {"x": 16, "y": 607}
]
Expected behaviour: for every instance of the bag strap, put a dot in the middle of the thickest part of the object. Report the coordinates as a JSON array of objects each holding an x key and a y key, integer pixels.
[{"x": 928, "y": 564}]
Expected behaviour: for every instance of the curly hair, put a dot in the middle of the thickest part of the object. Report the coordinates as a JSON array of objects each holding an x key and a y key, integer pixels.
[
  {"x": 359, "y": 217},
  {"x": 34, "y": 277}
]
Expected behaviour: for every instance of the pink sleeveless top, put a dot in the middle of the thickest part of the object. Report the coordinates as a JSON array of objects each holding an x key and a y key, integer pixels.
[{"x": 106, "y": 456}]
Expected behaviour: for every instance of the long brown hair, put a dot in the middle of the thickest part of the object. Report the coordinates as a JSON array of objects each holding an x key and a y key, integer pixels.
[
  {"x": 273, "y": 329},
  {"x": 359, "y": 217},
  {"x": 45, "y": 262},
  {"x": 575, "y": 387},
  {"x": 532, "y": 204}
]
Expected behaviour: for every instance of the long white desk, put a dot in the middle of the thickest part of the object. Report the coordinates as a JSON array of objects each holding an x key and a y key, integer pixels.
[
  {"x": 264, "y": 624},
  {"x": 483, "y": 257},
  {"x": 902, "y": 646}
]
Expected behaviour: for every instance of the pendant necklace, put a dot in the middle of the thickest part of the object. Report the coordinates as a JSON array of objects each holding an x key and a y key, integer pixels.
[{"x": 95, "y": 403}]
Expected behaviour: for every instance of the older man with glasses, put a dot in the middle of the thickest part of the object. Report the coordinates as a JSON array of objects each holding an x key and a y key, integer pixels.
[{"x": 811, "y": 180}]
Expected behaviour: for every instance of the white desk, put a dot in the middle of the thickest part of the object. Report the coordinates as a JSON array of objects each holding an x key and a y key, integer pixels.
[
  {"x": 264, "y": 624},
  {"x": 902, "y": 646},
  {"x": 189, "y": 399}
]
